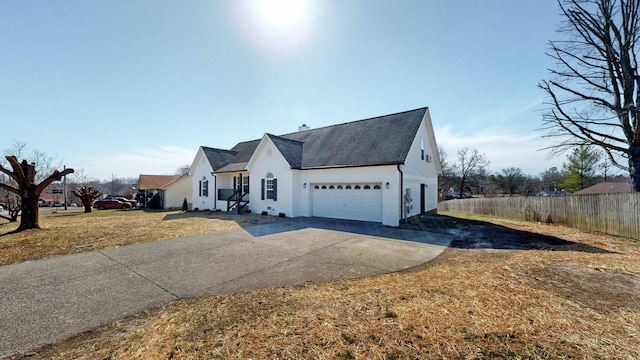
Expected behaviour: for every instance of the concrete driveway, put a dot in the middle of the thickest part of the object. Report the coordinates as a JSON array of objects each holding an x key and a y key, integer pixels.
[{"x": 45, "y": 301}]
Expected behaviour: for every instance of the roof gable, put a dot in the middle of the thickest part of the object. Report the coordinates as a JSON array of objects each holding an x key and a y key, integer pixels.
[
  {"x": 290, "y": 149},
  {"x": 218, "y": 157}
]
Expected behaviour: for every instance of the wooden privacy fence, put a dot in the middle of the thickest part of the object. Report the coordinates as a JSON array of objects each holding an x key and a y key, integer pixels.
[{"x": 615, "y": 213}]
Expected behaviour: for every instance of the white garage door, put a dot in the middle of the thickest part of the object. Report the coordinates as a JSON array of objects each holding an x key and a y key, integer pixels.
[{"x": 347, "y": 201}]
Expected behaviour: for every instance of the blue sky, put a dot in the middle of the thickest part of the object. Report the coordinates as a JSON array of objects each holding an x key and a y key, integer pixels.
[{"x": 129, "y": 87}]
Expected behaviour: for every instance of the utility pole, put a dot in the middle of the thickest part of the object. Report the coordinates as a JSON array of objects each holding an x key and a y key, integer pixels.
[{"x": 64, "y": 186}]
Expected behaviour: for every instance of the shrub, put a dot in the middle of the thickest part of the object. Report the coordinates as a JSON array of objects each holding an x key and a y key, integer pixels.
[
  {"x": 185, "y": 205},
  {"x": 154, "y": 202}
]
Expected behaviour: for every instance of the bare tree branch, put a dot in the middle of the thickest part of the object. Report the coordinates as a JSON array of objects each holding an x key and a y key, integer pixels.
[{"x": 597, "y": 73}]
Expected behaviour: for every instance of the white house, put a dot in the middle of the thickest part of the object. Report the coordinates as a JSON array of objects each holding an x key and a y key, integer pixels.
[{"x": 383, "y": 169}]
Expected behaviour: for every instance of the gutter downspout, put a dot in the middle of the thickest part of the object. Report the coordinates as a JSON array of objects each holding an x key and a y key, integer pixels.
[{"x": 401, "y": 187}]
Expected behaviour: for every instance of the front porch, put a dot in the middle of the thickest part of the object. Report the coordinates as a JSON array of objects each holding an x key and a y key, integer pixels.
[{"x": 233, "y": 192}]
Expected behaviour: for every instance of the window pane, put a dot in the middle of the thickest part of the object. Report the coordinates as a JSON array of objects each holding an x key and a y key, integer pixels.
[{"x": 270, "y": 189}]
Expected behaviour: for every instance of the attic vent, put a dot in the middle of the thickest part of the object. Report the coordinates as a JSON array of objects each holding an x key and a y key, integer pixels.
[
  {"x": 303, "y": 127},
  {"x": 428, "y": 158}
]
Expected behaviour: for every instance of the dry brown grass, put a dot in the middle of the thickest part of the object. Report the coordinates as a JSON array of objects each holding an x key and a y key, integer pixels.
[
  {"x": 466, "y": 304},
  {"x": 70, "y": 231}
]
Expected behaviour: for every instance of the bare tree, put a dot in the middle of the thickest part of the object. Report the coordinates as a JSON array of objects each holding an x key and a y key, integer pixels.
[
  {"x": 469, "y": 163},
  {"x": 606, "y": 168},
  {"x": 87, "y": 194},
  {"x": 28, "y": 189},
  {"x": 594, "y": 98},
  {"x": 447, "y": 179},
  {"x": 183, "y": 170},
  {"x": 511, "y": 180}
]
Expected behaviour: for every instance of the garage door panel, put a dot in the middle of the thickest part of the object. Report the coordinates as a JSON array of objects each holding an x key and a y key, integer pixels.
[{"x": 354, "y": 204}]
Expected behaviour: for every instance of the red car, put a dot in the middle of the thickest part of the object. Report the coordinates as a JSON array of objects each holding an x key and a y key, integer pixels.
[
  {"x": 108, "y": 204},
  {"x": 132, "y": 202}
]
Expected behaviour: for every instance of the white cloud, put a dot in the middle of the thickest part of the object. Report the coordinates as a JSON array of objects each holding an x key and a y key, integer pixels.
[
  {"x": 502, "y": 148},
  {"x": 507, "y": 113},
  {"x": 164, "y": 160}
]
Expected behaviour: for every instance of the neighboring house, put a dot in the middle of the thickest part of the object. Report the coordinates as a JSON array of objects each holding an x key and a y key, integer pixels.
[
  {"x": 177, "y": 191},
  {"x": 172, "y": 189},
  {"x": 383, "y": 169},
  {"x": 52, "y": 196},
  {"x": 606, "y": 187}
]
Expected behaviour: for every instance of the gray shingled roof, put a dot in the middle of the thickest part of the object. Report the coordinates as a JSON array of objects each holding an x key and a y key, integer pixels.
[
  {"x": 383, "y": 140},
  {"x": 290, "y": 149},
  {"x": 606, "y": 187},
  {"x": 218, "y": 157},
  {"x": 244, "y": 151}
]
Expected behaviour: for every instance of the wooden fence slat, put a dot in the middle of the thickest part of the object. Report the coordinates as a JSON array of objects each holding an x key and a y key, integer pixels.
[{"x": 615, "y": 213}]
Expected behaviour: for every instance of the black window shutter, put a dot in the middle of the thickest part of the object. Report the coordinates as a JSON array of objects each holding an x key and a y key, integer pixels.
[
  {"x": 275, "y": 189},
  {"x": 235, "y": 183},
  {"x": 200, "y": 188},
  {"x": 263, "y": 188}
]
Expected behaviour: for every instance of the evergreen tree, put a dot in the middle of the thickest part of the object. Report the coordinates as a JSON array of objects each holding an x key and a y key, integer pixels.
[{"x": 580, "y": 170}]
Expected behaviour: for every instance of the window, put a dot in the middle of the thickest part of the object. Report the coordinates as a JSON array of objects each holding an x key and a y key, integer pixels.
[
  {"x": 367, "y": 187},
  {"x": 357, "y": 187},
  {"x": 348, "y": 187},
  {"x": 331, "y": 187},
  {"x": 339, "y": 187},
  {"x": 269, "y": 188},
  {"x": 204, "y": 188},
  {"x": 376, "y": 187},
  {"x": 422, "y": 148},
  {"x": 316, "y": 187},
  {"x": 245, "y": 185},
  {"x": 324, "y": 187}
]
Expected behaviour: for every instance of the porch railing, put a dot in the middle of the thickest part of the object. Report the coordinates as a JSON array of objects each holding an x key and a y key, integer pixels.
[{"x": 239, "y": 200}]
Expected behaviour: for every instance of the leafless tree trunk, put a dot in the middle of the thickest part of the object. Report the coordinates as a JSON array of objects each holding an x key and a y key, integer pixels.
[
  {"x": 24, "y": 175},
  {"x": 87, "y": 194},
  {"x": 469, "y": 162},
  {"x": 594, "y": 97}
]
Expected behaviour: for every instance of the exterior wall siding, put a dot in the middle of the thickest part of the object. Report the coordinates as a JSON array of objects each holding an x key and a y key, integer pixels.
[
  {"x": 201, "y": 170},
  {"x": 418, "y": 171},
  {"x": 177, "y": 192},
  {"x": 267, "y": 159}
]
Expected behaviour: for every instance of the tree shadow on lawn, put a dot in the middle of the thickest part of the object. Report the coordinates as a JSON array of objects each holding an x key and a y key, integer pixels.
[{"x": 475, "y": 234}]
